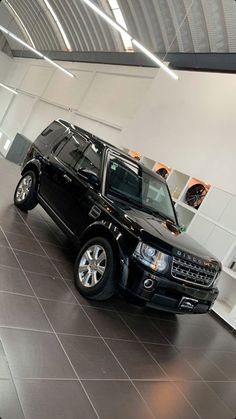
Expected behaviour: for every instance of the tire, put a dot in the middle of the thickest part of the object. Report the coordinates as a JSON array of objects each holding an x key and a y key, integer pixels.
[
  {"x": 25, "y": 196},
  {"x": 97, "y": 248}
]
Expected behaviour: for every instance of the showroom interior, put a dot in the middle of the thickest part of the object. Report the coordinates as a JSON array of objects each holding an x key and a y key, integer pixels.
[{"x": 156, "y": 79}]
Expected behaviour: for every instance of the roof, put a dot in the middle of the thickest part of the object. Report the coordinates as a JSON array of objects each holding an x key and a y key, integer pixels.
[
  {"x": 121, "y": 153},
  {"x": 174, "y": 26}
]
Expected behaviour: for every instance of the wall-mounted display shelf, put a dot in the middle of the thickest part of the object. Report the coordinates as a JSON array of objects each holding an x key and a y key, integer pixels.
[
  {"x": 135, "y": 154},
  {"x": 185, "y": 215},
  {"x": 161, "y": 169},
  {"x": 213, "y": 225},
  {"x": 195, "y": 192},
  {"x": 177, "y": 182}
]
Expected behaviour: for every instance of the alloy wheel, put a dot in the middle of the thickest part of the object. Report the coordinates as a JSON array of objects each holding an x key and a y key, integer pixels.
[
  {"x": 23, "y": 188},
  {"x": 92, "y": 265}
]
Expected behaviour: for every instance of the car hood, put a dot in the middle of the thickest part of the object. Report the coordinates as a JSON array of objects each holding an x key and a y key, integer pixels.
[{"x": 153, "y": 230}]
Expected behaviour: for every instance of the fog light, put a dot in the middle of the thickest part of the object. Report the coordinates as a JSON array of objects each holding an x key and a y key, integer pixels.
[{"x": 148, "y": 283}]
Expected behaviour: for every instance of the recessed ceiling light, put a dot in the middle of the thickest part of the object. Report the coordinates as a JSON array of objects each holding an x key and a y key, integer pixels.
[{"x": 35, "y": 51}]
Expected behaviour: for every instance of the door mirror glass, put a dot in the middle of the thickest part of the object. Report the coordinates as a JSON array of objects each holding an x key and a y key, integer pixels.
[{"x": 90, "y": 176}]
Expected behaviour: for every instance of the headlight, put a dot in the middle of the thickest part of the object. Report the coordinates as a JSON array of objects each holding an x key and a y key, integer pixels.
[{"x": 151, "y": 257}]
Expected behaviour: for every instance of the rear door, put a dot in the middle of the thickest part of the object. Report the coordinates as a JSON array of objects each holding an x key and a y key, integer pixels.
[
  {"x": 58, "y": 172},
  {"x": 64, "y": 188}
]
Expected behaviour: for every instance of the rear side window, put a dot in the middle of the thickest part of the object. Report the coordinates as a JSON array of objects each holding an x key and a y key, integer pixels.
[
  {"x": 72, "y": 150},
  {"x": 91, "y": 159},
  {"x": 50, "y": 137}
]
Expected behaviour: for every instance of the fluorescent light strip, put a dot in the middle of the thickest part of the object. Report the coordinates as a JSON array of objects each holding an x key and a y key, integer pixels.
[
  {"x": 155, "y": 59},
  {"x": 120, "y": 19},
  {"x": 35, "y": 51},
  {"x": 9, "y": 89},
  {"x": 136, "y": 43},
  {"x": 106, "y": 18},
  {"x": 59, "y": 25},
  {"x": 21, "y": 22}
]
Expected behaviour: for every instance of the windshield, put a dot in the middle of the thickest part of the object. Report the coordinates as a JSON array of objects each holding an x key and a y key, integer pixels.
[{"x": 127, "y": 181}]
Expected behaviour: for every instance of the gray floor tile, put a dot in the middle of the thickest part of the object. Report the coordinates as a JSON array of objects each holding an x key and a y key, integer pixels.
[
  {"x": 3, "y": 240},
  {"x": 144, "y": 329},
  {"x": 13, "y": 280},
  {"x": 68, "y": 318},
  {"x": 204, "y": 400},
  {"x": 45, "y": 235},
  {"x": 25, "y": 244},
  {"x": 9, "y": 226},
  {"x": 91, "y": 358},
  {"x": 21, "y": 311},
  {"x": 54, "y": 400},
  {"x": 137, "y": 363},
  {"x": 35, "y": 263},
  {"x": 117, "y": 400},
  {"x": 109, "y": 324},
  {"x": 38, "y": 354},
  {"x": 4, "y": 367},
  {"x": 59, "y": 252},
  {"x": 226, "y": 392},
  {"x": 165, "y": 400},
  {"x": 173, "y": 363},
  {"x": 7, "y": 258},
  {"x": 225, "y": 363},
  {"x": 66, "y": 269},
  {"x": 10, "y": 407},
  {"x": 203, "y": 365},
  {"x": 51, "y": 287}
]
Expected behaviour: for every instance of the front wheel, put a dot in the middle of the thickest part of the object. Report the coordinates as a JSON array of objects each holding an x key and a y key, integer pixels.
[
  {"x": 95, "y": 269},
  {"x": 25, "y": 196}
]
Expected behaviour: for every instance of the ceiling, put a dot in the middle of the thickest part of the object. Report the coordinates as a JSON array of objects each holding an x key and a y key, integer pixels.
[
  {"x": 209, "y": 27},
  {"x": 186, "y": 26}
]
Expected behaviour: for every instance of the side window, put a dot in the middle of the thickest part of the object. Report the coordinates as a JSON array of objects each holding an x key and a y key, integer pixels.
[
  {"x": 72, "y": 150},
  {"x": 124, "y": 177},
  {"x": 91, "y": 159}
]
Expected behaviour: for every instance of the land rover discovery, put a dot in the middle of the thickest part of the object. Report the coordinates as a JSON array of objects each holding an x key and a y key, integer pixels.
[{"x": 121, "y": 216}]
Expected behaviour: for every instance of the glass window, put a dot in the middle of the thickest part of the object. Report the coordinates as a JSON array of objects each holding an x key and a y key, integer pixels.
[
  {"x": 123, "y": 177},
  {"x": 72, "y": 150},
  {"x": 91, "y": 159},
  {"x": 133, "y": 184}
]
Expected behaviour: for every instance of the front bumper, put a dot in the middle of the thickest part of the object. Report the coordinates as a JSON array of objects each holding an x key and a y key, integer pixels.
[{"x": 167, "y": 294}]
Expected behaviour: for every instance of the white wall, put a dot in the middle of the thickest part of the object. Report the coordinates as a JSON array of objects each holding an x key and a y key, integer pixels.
[
  {"x": 101, "y": 98},
  {"x": 190, "y": 125},
  {"x": 5, "y": 64}
]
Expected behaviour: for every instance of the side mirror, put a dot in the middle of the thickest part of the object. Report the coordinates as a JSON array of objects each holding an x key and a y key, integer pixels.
[{"x": 90, "y": 176}]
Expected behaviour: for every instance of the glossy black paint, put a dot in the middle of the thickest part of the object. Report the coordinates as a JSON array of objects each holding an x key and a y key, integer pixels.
[{"x": 83, "y": 210}]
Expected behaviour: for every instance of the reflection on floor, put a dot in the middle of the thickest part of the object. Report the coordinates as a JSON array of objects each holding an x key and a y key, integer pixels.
[{"x": 64, "y": 357}]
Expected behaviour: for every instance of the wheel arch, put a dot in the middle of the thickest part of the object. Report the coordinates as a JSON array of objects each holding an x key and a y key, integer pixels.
[
  {"x": 116, "y": 238},
  {"x": 33, "y": 165}
]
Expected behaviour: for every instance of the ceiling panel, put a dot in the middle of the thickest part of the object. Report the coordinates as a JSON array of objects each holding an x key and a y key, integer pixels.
[{"x": 161, "y": 25}]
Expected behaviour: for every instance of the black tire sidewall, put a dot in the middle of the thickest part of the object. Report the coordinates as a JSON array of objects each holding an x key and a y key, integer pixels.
[
  {"x": 107, "y": 283},
  {"x": 31, "y": 200}
]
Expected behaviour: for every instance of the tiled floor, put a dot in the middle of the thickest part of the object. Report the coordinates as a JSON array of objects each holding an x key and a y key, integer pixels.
[{"x": 64, "y": 357}]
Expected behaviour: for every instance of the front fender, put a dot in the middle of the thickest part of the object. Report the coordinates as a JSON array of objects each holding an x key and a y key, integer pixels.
[
  {"x": 32, "y": 165},
  {"x": 124, "y": 245}
]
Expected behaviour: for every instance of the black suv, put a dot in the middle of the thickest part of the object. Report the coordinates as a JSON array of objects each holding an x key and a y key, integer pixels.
[{"x": 122, "y": 217}]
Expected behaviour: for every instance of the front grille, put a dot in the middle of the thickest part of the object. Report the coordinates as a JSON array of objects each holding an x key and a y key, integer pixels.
[{"x": 191, "y": 272}]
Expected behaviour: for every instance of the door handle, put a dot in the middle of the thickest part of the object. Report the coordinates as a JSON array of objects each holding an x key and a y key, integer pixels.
[{"x": 67, "y": 178}]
